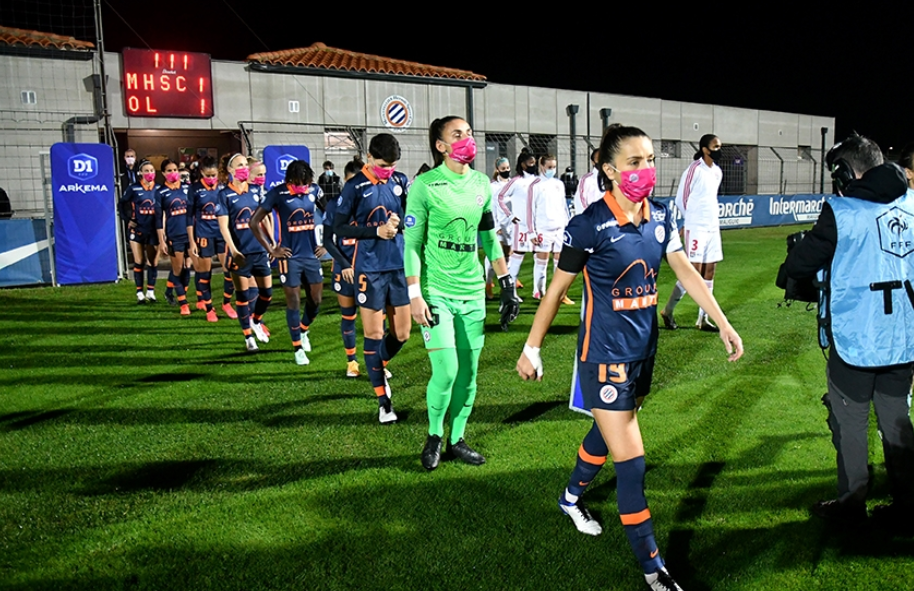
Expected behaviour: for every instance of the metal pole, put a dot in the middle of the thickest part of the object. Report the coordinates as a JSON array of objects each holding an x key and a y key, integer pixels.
[
  {"x": 822, "y": 163},
  {"x": 605, "y": 114},
  {"x": 48, "y": 224},
  {"x": 572, "y": 111}
]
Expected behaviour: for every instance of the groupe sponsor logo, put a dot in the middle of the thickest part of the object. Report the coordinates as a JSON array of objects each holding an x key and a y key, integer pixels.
[
  {"x": 802, "y": 210},
  {"x": 737, "y": 213}
]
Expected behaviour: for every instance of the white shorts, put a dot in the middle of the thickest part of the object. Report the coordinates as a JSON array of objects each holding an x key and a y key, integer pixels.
[
  {"x": 550, "y": 241},
  {"x": 506, "y": 234},
  {"x": 521, "y": 239},
  {"x": 702, "y": 246}
]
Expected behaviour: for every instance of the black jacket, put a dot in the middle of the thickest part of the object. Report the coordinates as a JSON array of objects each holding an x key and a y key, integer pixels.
[{"x": 881, "y": 184}]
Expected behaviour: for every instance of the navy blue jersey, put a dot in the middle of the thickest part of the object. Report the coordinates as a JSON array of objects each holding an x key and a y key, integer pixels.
[
  {"x": 620, "y": 278},
  {"x": 296, "y": 218},
  {"x": 174, "y": 206},
  {"x": 202, "y": 204},
  {"x": 365, "y": 204},
  {"x": 140, "y": 203},
  {"x": 346, "y": 245},
  {"x": 239, "y": 207}
]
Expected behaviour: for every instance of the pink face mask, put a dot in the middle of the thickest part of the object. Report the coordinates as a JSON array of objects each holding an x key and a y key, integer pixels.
[
  {"x": 259, "y": 180},
  {"x": 149, "y": 176},
  {"x": 636, "y": 185},
  {"x": 383, "y": 173},
  {"x": 210, "y": 181},
  {"x": 172, "y": 177},
  {"x": 242, "y": 174},
  {"x": 298, "y": 189},
  {"x": 463, "y": 151}
]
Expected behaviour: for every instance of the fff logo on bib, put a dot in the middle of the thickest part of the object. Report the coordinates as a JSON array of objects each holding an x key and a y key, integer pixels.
[{"x": 82, "y": 167}]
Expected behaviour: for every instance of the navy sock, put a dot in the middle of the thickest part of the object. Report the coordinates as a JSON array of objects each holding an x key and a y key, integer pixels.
[
  {"x": 391, "y": 347},
  {"x": 293, "y": 320},
  {"x": 152, "y": 273},
  {"x": 636, "y": 517},
  {"x": 138, "y": 277},
  {"x": 591, "y": 457},
  {"x": 375, "y": 367},
  {"x": 347, "y": 329},
  {"x": 228, "y": 288},
  {"x": 264, "y": 296},
  {"x": 204, "y": 292}
]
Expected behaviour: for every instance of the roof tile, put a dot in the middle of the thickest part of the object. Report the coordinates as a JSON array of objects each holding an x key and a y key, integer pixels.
[
  {"x": 320, "y": 56},
  {"x": 29, "y": 38}
]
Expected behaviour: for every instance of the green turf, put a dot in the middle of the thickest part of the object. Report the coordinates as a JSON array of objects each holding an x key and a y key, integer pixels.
[{"x": 143, "y": 450}]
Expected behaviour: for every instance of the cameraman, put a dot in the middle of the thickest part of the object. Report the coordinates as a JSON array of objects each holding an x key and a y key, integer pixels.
[{"x": 863, "y": 243}]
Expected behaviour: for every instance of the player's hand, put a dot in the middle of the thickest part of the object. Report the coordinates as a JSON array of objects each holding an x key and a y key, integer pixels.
[
  {"x": 348, "y": 275},
  {"x": 510, "y": 303},
  {"x": 280, "y": 252},
  {"x": 420, "y": 312},
  {"x": 530, "y": 366},
  {"x": 386, "y": 232},
  {"x": 394, "y": 220},
  {"x": 192, "y": 249},
  {"x": 163, "y": 250},
  {"x": 320, "y": 251},
  {"x": 732, "y": 342},
  {"x": 238, "y": 259}
]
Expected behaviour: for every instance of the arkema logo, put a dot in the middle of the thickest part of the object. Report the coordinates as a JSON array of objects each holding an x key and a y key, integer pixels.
[
  {"x": 283, "y": 162},
  {"x": 82, "y": 167}
]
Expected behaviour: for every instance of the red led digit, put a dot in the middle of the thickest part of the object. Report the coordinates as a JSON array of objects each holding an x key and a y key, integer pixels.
[{"x": 152, "y": 86}]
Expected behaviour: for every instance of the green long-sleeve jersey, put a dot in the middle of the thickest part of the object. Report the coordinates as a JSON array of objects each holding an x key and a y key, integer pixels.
[{"x": 444, "y": 214}]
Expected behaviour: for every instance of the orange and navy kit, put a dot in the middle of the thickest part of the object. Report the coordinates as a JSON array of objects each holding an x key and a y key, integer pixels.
[
  {"x": 620, "y": 261},
  {"x": 296, "y": 232}
]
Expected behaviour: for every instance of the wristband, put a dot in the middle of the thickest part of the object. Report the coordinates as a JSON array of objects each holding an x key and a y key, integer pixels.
[{"x": 414, "y": 290}]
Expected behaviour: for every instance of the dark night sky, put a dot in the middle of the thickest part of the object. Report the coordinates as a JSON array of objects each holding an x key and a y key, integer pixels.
[{"x": 855, "y": 67}]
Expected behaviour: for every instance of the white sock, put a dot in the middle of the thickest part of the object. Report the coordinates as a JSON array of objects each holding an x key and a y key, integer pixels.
[
  {"x": 570, "y": 498},
  {"x": 702, "y": 315},
  {"x": 539, "y": 276},
  {"x": 517, "y": 259},
  {"x": 678, "y": 292}
]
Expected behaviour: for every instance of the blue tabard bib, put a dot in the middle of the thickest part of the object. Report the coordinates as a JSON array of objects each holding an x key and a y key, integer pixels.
[{"x": 871, "y": 282}]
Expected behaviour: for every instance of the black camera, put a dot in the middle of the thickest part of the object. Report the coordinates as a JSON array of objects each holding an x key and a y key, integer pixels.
[{"x": 799, "y": 290}]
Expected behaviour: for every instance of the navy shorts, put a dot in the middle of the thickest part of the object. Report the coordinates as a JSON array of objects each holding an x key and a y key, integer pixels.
[
  {"x": 209, "y": 247},
  {"x": 255, "y": 265},
  {"x": 145, "y": 236},
  {"x": 615, "y": 386},
  {"x": 376, "y": 291},
  {"x": 340, "y": 285},
  {"x": 295, "y": 271},
  {"x": 178, "y": 245}
]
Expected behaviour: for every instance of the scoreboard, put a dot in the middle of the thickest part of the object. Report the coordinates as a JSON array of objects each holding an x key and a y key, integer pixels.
[{"x": 167, "y": 83}]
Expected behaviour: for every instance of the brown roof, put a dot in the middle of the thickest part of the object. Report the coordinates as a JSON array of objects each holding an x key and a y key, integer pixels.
[
  {"x": 320, "y": 56},
  {"x": 11, "y": 36}
]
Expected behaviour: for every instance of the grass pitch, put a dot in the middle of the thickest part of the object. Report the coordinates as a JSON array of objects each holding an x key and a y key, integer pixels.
[{"x": 143, "y": 450}]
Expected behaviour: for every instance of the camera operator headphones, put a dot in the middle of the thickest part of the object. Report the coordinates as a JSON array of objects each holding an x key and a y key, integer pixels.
[{"x": 841, "y": 172}]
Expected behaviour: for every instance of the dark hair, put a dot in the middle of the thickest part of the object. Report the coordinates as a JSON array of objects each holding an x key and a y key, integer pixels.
[
  {"x": 613, "y": 137},
  {"x": 522, "y": 159},
  {"x": 353, "y": 166},
  {"x": 208, "y": 162},
  {"x": 434, "y": 134},
  {"x": 144, "y": 162},
  {"x": 384, "y": 147},
  {"x": 906, "y": 159},
  {"x": 327, "y": 164},
  {"x": 165, "y": 164},
  {"x": 546, "y": 157},
  {"x": 299, "y": 173},
  {"x": 594, "y": 154},
  {"x": 423, "y": 169},
  {"x": 704, "y": 142},
  {"x": 860, "y": 152}
]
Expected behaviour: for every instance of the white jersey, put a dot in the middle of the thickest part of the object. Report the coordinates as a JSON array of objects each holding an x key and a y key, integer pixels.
[
  {"x": 546, "y": 206},
  {"x": 503, "y": 217},
  {"x": 696, "y": 196},
  {"x": 512, "y": 199},
  {"x": 588, "y": 191}
]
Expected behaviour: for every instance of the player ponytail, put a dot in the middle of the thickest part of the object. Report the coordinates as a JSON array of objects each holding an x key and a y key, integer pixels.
[
  {"x": 613, "y": 137},
  {"x": 434, "y": 135},
  {"x": 704, "y": 142},
  {"x": 299, "y": 173}
]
